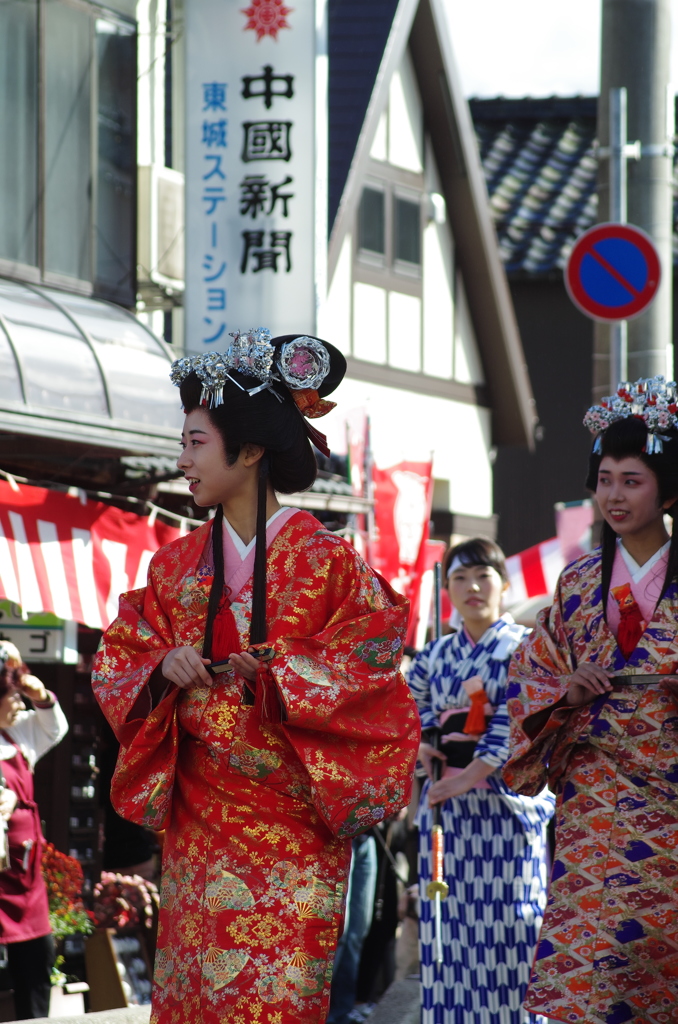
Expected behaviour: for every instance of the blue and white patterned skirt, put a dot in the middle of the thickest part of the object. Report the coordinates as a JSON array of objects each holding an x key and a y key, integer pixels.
[{"x": 495, "y": 866}]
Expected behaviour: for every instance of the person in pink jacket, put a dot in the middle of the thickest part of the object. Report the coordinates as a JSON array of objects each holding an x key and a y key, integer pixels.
[{"x": 24, "y": 919}]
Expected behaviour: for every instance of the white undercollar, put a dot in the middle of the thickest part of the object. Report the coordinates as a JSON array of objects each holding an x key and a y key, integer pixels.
[
  {"x": 638, "y": 572},
  {"x": 239, "y": 544}
]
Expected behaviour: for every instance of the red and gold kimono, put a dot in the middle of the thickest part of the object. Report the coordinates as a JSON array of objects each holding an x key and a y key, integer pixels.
[
  {"x": 608, "y": 949},
  {"x": 262, "y": 809}
]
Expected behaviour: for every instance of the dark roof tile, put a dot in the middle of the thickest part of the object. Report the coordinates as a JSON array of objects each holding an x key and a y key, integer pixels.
[
  {"x": 357, "y": 37},
  {"x": 540, "y": 170}
]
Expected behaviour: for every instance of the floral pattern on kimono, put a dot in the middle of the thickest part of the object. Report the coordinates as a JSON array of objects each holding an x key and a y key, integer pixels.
[
  {"x": 608, "y": 949},
  {"x": 253, "y": 887}
]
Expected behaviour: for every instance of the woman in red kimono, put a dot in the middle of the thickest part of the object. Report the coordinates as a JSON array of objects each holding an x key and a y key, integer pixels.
[
  {"x": 254, "y": 688},
  {"x": 592, "y": 698}
]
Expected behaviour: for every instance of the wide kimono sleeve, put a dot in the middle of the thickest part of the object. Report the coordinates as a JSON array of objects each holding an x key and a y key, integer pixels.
[
  {"x": 419, "y": 681},
  {"x": 493, "y": 745},
  {"x": 130, "y": 650},
  {"x": 543, "y": 733},
  {"x": 338, "y": 691}
]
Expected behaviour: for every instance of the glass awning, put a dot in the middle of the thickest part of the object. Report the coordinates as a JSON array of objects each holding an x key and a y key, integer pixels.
[{"x": 83, "y": 370}]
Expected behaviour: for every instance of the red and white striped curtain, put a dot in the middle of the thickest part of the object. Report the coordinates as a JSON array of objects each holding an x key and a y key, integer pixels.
[
  {"x": 535, "y": 571},
  {"x": 65, "y": 554}
]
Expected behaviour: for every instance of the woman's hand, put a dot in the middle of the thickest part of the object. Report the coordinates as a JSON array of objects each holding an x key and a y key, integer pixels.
[
  {"x": 31, "y": 687},
  {"x": 587, "y": 683},
  {"x": 185, "y": 668},
  {"x": 426, "y": 755},
  {"x": 7, "y": 803},
  {"x": 451, "y": 785},
  {"x": 455, "y": 785},
  {"x": 245, "y": 664}
]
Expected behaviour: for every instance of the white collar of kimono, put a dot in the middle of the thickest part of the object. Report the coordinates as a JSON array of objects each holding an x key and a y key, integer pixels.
[
  {"x": 239, "y": 544},
  {"x": 638, "y": 572},
  {"x": 7, "y": 750}
]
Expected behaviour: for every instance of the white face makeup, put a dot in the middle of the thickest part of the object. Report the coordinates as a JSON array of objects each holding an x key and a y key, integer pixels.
[
  {"x": 628, "y": 496},
  {"x": 203, "y": 462}
]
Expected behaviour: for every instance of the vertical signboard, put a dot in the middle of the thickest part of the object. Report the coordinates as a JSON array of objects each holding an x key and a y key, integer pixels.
[{"x": 256, "y": 167}]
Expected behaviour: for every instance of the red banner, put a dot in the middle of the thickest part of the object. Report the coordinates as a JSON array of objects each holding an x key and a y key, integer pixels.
[
  {"x": 402, "y": 509},
  {"x": 65, "y": 554}
]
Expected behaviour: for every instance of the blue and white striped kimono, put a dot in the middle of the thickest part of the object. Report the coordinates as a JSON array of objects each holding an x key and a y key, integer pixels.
[{"x": 495, "y": 849}]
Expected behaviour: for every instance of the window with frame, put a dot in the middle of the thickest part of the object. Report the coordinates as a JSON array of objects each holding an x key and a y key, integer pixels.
[
  {"x": 372, "y": 222},
  {"x": 406, "y": 231},
  {"x": 390, "y": 228},
  {"x": 68, "y": 147}
]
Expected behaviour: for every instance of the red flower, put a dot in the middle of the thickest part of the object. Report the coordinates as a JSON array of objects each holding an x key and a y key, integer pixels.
[{"x": 64, "y": 880}]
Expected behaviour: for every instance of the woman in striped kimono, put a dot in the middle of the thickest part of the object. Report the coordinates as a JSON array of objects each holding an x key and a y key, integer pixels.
[{"x": 494, "y": 840}]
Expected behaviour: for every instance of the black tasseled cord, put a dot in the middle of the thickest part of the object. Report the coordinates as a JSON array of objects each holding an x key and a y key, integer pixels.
[
  {"x": 258, "y": 625},
  {"x": 217, "y": 588},
  {"x": 608, "y": 552},
  {"x": 672, "y": 564}
]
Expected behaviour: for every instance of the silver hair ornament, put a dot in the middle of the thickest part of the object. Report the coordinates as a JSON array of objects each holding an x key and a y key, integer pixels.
[
  {"x": 650, "y": 399},
  {"x": 301, "y": 363}
]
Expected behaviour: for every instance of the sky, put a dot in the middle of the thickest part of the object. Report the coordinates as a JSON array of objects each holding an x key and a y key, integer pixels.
[{"x": 531, "y": 47}]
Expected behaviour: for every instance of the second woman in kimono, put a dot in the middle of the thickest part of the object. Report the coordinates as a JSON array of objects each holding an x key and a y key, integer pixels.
[
  {"x": 594, "y": 713},
  {"x": 254, "y": 687},
  {"x": 494, "y": 840}
]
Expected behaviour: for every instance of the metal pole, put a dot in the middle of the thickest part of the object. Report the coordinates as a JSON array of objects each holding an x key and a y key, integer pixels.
[
  {"x": 618, "y": 140},
  {"x": 635, "y": 54},
  {"x": 437, "y": 889},
  {"x": 437, "y": 600},
  {"x": 618, "y": 205}
]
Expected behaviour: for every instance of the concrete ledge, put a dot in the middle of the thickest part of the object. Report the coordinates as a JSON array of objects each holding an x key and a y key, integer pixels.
[
  {"x": 399, "y": 1004},
  {"x": 132, "y": 1015}
]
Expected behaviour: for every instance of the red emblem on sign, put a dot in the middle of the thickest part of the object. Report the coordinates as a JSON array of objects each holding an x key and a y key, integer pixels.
[
  {"x": 267, "y": 17},
  {"x": 613, "y": 272}
]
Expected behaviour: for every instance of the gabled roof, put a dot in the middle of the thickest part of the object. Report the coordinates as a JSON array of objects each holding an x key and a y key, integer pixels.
[
  {"x": 354, "y": 43},
  {"x": 540, "y": 169}
]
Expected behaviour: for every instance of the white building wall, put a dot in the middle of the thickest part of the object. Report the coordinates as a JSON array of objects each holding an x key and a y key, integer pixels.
[
  {"x": 406, "y": 425},
  {"x": 369, "y": 322},
  {"x": 432, "y": 334},
  {"x": 406, "y": 120},
  {"x": 468, "y": 367},
  {"x": 404, "y": 331},
  {"x": 334, "y": 315},
  {"x": 438, "y": 281},
  {"x": 379, "y": 150}
]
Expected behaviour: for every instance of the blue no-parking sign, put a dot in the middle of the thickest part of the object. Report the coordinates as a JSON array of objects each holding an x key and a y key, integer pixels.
[{"x": 613, "y": 272}]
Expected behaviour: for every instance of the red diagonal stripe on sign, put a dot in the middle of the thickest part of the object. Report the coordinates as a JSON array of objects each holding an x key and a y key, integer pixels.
[{"x": 613, "y": 272}]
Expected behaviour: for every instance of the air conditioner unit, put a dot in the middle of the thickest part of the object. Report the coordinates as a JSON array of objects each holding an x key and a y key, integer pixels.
[{"x": 160, "y": 234}]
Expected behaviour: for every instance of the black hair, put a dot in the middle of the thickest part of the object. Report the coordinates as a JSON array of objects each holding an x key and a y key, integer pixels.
[
  {"x": 627, "y": 438},
  {"x": 477, "y": 551},
  {"x": 269, "y": 418},
  {"x": 274, "y": 422}
]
